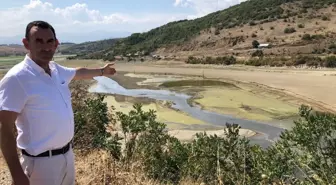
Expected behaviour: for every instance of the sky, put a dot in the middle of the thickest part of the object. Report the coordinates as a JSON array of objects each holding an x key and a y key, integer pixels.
[{"x": 89, "y": 20}]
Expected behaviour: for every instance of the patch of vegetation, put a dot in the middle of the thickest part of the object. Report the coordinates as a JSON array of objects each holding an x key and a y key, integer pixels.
[
  {"x": 306, "y": 37},
  {"x": 255, "y": 44},
  {"x": 210, "y": 60},
  {"x": 273, "y": 62},
  {"x": 91, "y": 121},
  {"x": 332, "y": 48},
  {"x": 329, "y": 62},
  {"x": 301, "y": 26},
  {"x": 289, "y": 30},
  {"x": 325, "y": 18},
  {"x": 258, "y": 53},
  {"x": 309, "y": 37},
  {"x": 196, "y": 83}
]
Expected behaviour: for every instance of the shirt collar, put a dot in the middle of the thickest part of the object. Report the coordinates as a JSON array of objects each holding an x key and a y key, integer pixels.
[{"x": 28, "y": 61}]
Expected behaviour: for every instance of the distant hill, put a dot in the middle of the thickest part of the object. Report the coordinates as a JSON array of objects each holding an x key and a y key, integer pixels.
[
  {"x": 87, "y": 49},
  {"x": 231, "y": 31},
  {"x": 11, "y": 49}
]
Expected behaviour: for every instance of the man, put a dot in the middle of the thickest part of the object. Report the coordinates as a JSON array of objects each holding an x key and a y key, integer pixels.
[{"x": 34, "y": 95}]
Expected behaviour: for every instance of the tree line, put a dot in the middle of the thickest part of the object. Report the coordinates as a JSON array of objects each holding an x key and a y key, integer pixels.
[{"x": 259, "y": 60}]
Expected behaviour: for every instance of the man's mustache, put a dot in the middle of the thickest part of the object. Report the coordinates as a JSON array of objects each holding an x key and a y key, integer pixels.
[{"x": 46, "y": 51}]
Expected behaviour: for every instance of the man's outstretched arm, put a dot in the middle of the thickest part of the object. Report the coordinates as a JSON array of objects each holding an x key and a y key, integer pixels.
[
  {"x": 8, "y": 147},
  {"x": 87, "y": 73}
]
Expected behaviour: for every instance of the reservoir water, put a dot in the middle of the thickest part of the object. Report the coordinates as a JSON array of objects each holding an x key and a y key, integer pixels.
[{"x": 268, "y": 132}]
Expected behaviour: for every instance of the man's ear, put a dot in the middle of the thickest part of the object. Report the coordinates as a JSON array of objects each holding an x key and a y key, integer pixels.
[
  {"x": 25, "y": 43},
  {"x": 56, "y": 43}
]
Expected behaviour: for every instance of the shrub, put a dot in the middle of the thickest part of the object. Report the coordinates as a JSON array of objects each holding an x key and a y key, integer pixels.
[
  {"x": 325, "y": 18},
  {"x": 306, "y": 37},
  {"x": 252, "y": 23},
  {"x": 301, "y": 26},
  {"x": 272, "y": 28},
  {"x": 258, "y": 53},
  {"x": 209, "y": 60},
  {"x": 317, "y": 37},
  {"x": 255, "y": 44},
  {"x": 91, "y": 119},
  {"x": 289, "y": 30},
  {"x": 307, "y": 60},
  {"x": 253, "y": 35},
  {"x": 332, "y": 48},
  {"x": 330, "y": 62}
]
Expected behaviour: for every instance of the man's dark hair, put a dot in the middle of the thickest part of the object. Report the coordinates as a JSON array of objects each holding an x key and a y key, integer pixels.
[{"x": 40, "y": 24}]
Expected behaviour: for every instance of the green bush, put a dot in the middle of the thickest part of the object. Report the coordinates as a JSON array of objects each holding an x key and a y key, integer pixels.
[
  {"x": 310, "y": 61},
  {"x": 252, "y": 23},
  {"x": 289, "y": 30},
  {"x": 330, "y": 62},
  {"x": 325, "y": 18},
  {"x": 306, "y": 37},
  {"x": 209, "y": 60},
  {"x": 258, "y": 53},
  {"x": 91, "y": 119},
  {"x": 301, "y": 26},
  {"x": 255, "y": 44}
]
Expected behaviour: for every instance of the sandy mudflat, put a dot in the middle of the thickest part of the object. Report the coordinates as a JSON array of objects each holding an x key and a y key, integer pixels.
[
  {"x": 317, "y": 86},
  {"x": 188, "y": 135}
]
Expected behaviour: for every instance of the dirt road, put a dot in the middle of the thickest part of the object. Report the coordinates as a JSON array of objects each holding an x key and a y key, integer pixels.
[{"x": 315, "y": 86}]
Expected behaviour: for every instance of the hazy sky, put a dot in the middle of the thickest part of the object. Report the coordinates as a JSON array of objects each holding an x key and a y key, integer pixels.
[{"x": 98, "y": 18}]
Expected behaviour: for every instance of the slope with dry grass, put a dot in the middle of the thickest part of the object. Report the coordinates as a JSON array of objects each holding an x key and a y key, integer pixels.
[{"x": 238, "y": 40}]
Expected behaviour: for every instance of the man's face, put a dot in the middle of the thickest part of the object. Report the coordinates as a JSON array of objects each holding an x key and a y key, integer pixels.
[{"x": 41, "y": 44}]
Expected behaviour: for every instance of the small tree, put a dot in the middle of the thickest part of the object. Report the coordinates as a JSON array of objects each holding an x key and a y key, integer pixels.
[
  {"x": 306, "y": 37},
  {"x": 258, "y": 53},
  {"x": 301, "y": 26},
  {"x": 289, "y": 30},
  {"x": 255, "y": 44}
]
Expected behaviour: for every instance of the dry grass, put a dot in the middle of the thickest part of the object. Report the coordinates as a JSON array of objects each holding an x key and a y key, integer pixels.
[
  {"x": 98, "y": 167},
  {"x": 210, "y": 44}
]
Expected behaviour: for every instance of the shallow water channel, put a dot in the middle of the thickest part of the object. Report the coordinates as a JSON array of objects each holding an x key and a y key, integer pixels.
[{"x": 267, "y": 132}]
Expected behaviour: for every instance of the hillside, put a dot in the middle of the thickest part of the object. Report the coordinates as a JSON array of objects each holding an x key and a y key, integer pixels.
[
  {"x": 11, "y": 49},
  {"x": 82, "y": 49},
  {"x": 231, "y": 31}
]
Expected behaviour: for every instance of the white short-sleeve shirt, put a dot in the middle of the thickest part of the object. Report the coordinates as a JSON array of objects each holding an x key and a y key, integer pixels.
[{"x": 45, "y": 119}]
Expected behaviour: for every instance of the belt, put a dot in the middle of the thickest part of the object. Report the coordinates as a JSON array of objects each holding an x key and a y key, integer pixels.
[{"x": 50, "y": 153}]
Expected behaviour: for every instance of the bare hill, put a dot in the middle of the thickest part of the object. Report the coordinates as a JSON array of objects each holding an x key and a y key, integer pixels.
[
  {"x": 8, "y": 50},
  {"x": 308, "y": 33}
]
